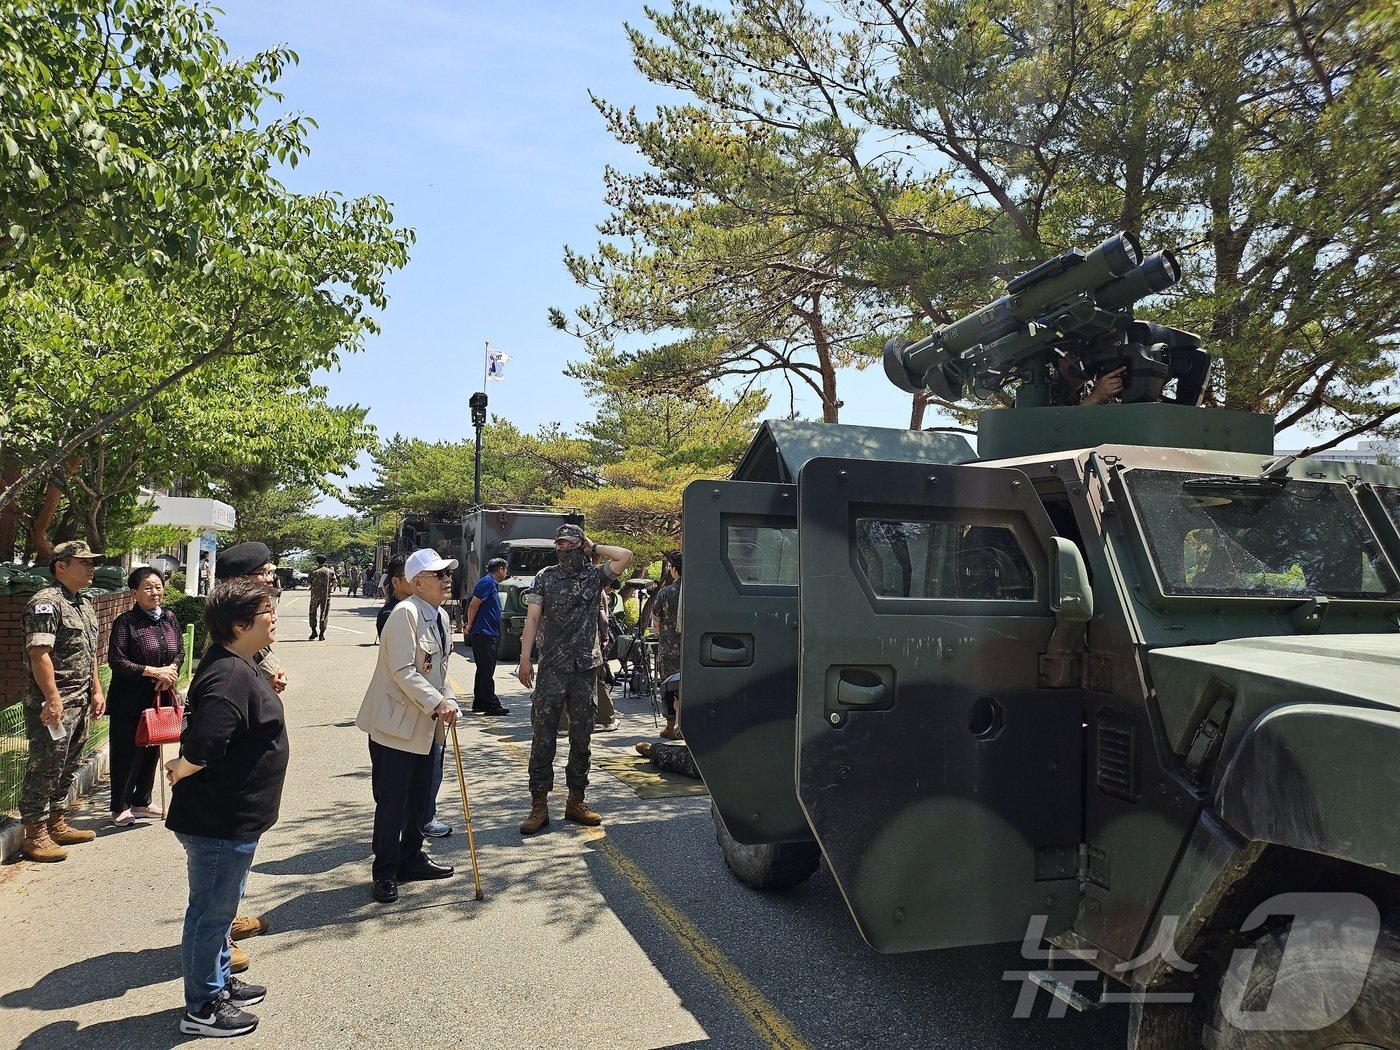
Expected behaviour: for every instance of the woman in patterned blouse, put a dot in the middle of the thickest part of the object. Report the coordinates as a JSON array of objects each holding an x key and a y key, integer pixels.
[{"x": 144, "y": 653}]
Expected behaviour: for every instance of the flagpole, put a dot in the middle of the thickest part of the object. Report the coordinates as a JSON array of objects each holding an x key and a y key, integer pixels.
[{"x": 485, "y": 365}]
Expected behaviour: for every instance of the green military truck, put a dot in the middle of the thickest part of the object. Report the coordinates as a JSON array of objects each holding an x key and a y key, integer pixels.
[
  {"x": 523, "y": 535},
  {"x": 1120, "y": 682}
]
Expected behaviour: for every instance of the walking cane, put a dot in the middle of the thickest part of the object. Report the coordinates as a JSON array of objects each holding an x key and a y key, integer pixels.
[
  {"x": 466, "y": 810},
  {"x": 160, "y": 775}
]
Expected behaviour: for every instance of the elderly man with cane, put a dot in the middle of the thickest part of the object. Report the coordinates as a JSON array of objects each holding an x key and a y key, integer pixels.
[{"x": 406, "y": 711}]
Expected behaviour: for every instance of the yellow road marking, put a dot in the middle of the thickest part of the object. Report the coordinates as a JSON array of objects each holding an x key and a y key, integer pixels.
[{"x": 762, "y": 1016}]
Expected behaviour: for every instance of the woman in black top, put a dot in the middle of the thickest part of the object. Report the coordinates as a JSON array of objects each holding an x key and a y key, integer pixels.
[
  {"x": 144, "y": 652},
  {"x": 227, "y": 785}
]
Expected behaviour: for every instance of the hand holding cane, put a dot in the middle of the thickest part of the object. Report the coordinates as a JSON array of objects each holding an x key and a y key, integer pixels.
[{"x": 466, "y": 809}]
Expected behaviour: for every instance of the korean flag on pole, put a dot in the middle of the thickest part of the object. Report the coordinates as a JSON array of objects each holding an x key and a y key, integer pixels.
[{"x": 496, "y": 364}]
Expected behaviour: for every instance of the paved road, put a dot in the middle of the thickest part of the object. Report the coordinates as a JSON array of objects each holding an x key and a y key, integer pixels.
[{"x": 635, "y": 936}]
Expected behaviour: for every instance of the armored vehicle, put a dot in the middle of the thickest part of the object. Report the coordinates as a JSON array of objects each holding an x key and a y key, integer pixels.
[
  {"x": 523, "y": 535},
  {"x": 1121, "y": 684}
]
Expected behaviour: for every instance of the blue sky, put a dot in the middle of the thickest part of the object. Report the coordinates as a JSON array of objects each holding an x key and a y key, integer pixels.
[{"x": 474, "y": 119}]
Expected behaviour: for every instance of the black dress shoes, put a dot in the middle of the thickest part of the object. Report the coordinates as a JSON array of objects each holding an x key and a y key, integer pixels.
[
  {"x": 497, "y": 710},
  {"x": 425, "y": 869},
  {"x": 386, "y": 891}
]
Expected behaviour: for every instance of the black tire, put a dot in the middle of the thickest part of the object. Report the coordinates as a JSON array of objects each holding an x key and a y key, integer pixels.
[
  {"x": 770, "y": 866},
  {"x": 1372, "y": 1023}
]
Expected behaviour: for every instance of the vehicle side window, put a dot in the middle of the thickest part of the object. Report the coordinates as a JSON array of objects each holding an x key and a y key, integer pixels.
[
  {"x": 761, "y": 555},
  {"x": 943, "y": 560},
  {"x": 1390, "y": 499}
]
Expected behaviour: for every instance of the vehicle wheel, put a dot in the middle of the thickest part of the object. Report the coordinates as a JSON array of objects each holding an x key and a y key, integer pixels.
[
  {"x": 770, "y": 866},
  {"x": 1316, "y": 983},
  {"x": 510, "y": 647}
]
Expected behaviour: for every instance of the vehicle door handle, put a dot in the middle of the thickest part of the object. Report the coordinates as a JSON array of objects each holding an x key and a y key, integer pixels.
[
  {"x": 852, "y": 694},
  {"x": 865, "y": 688},
  {"x": 726, "y": 651}
]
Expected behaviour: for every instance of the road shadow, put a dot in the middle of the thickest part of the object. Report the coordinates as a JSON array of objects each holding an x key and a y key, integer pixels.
[
  {"x": 905, "y": 997},
  {"x": 316, "y": 861},
  {"x": 154, "y": 1031},
  {"x": 108, "y": 976}
]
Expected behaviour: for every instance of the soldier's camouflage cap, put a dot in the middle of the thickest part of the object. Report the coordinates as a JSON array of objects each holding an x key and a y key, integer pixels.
[
  {"x": 76, "y": 549},
  {"x": 569, "y": 532}
]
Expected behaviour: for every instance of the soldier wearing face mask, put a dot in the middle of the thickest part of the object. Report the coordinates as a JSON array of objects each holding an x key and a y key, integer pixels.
[{"x": 562, "y": 610}]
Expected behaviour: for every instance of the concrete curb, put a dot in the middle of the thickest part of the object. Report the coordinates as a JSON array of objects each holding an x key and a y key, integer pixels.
[{"x": 85, "y": 781}]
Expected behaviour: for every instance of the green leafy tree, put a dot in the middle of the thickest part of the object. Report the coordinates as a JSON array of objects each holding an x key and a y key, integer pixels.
[
  {"x": 650, "y": 450},
  {"x": 272, "y": 515},
  {"x": 436, "y": 478},
  {"x": 907, "y": 158},
  {"x": 149, "y": 242},
  {"x": 626, "y": 469},
  {"x": 127, "y": 136},
  {"x": 88, "y": 354}
]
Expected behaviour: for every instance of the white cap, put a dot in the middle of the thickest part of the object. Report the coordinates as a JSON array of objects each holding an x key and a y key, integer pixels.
[{"x": 425, "y": 560}]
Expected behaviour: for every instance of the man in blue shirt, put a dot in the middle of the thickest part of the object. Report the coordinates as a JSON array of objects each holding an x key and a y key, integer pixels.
[{"x": 483, "y": 633}]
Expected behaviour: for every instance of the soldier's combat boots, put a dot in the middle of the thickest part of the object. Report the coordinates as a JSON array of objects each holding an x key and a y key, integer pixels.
[
  {"x": 539, "y": 814},
  {"x": 576, "y": 809},
  {"x": 63, "y": 833},
  {"x": 39, "y": 847}
]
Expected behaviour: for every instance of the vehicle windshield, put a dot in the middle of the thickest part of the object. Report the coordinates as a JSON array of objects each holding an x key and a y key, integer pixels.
[
  {"x": 1231, "y": 535},
  {"x": 528, "y": 561}
]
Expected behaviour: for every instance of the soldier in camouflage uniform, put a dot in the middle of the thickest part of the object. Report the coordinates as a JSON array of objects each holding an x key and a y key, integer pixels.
[
  {"x": 60, "y": 638},
  {"x": 322, "y": 582},
  {"x": 665, "y": 621},
  {"x": 562, "y": 607},
  {"x": 670, "y": 758}
]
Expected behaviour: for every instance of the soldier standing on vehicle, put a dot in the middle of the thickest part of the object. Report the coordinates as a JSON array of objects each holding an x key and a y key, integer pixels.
[
  {"x": 665, "y": 621},
  {"x": 563, "y": 602},
  {"x": 60, "y": 638},
  {"x": 322, "y": 582}
]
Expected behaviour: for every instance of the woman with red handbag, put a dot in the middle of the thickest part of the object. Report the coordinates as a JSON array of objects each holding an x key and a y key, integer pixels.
[
  {"x": 144, "y": 652},
  {"x": 227, "y": 785}
]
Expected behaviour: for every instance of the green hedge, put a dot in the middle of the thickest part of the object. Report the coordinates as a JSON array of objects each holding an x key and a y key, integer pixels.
[{"x": 189, "y": 611}]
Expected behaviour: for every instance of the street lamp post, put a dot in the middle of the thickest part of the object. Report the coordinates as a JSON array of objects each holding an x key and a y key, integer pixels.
[{"x": 478, "y": 406}]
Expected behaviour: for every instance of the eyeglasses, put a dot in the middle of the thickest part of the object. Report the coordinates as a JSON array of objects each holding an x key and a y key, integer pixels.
[
  {"x": 441, "y": 574},
  {"x": 264, "y": 573},
  {"x": 267, "y": 612}
]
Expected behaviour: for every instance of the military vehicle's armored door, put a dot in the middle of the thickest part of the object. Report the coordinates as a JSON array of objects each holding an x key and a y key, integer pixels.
[
  {"x": 942, "y": 782},
  {"x": 738, "y": 680}
]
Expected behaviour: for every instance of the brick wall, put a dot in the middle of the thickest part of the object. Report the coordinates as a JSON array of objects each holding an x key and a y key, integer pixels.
[{"x": 12, "y": 656}]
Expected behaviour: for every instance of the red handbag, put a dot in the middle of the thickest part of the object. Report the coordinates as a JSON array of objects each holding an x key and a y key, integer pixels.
[{"x": 161, "y": 724}]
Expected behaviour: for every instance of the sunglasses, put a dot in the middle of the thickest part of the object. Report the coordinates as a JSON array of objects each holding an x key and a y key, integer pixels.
[{"x": 441, "y": 574}]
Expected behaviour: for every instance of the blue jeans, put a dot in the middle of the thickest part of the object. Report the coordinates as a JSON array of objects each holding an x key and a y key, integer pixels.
[
  {"x": 436, "y": 757},
  {"x": 218, "y": 873}
]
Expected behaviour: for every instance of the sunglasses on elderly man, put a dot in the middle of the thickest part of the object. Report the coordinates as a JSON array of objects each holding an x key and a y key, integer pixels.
[{"x": 441, "y": 574}]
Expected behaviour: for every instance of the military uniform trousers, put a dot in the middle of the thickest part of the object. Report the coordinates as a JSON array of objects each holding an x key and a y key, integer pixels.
[
  {"x": 320, "y": 611},
  {"x": 668, "y": 662},
  {"x": 555, "y": 694},
  {"x": 52, "y": 763}
]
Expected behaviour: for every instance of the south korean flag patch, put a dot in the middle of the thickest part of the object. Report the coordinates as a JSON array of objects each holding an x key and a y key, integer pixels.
[{"x": 44, "y": 609}]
